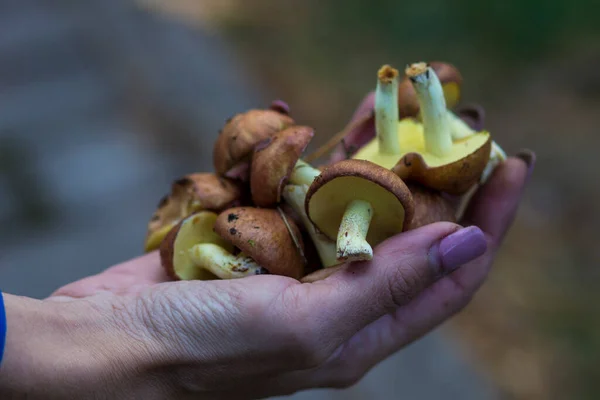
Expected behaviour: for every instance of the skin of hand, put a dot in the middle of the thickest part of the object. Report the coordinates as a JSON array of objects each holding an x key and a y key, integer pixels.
[{"x": 129, "y": 332}]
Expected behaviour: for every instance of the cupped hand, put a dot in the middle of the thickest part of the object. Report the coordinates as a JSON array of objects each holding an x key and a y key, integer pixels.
[{"x": 269, "y": 335}]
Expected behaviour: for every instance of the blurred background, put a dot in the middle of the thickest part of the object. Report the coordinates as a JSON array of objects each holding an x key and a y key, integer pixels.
[{"x": 104, "y": 102}]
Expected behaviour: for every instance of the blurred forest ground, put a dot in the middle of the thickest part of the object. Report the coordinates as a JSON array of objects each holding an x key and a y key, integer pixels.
[{"x": 535, "y": 66}]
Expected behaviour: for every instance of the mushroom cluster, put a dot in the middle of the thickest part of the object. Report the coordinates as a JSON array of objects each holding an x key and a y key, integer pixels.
[{"x": 266, "y": 210}]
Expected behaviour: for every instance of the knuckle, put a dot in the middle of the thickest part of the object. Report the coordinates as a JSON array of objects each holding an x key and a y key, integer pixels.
[{"x": 404, "y": 283}]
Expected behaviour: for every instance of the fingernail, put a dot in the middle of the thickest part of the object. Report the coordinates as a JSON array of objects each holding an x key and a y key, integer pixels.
[
  {"x": 529, "y": 158},
  {"x": 461, "y": 247}
]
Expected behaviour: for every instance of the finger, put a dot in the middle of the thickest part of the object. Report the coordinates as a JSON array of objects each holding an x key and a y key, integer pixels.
[
  {"x": 128, "y": 277},
  {"x": 494, "y": 207},
  {"x": 392, "y": 332},
  {"x": 361, "y": 293},
  {"x": 361, "y": 134}
]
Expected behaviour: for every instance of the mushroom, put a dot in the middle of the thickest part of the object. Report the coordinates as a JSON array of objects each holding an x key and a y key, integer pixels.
[
  {"x": 430, "y": 207},
  {"x": 359, "y": 204},
  {"x": 267, "y": 237},
  {"x": 277, "y": 173},
  {"x": 450, "y": 79},
  {"x": 193, "y": 251},
  {"x": 235, "y": 144},
  {"x": 192, "y": 193},
  {"x": 428, "y": 154},
  {"x": 274, "y": 162}
]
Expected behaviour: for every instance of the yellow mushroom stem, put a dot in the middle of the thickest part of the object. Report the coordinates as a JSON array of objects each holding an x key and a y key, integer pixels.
[
  {"x": 459, "y": 129},
  {"x": 386, "y": 110},
  {"x": 432, "y": 104},
  {"x": 295, "y": 196},
  {"x": 497, "y": 156},
  {"x": 303, "y": 174},
  {"x": 222, "y": 263},
  {"x": 352, "y": 242}
]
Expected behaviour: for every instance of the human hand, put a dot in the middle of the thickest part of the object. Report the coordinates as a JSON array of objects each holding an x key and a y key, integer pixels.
[{"x": 269, "y": 335}]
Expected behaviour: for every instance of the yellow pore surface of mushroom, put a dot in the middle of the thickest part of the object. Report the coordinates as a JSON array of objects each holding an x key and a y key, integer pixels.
[
  {"x": 411, "y": 139},
  {"x": 196, "y": 229},
  {"x": 389, "y": 198},
  {"x": 427, "y": 153},
  {"x": 190, "y": 194}
]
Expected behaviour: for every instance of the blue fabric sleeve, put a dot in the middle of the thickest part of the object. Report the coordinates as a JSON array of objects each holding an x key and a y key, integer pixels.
[{"x": 2, "y": 327}]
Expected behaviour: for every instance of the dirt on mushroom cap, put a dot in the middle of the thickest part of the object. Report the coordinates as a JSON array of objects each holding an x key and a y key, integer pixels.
[
  {"x": 273, "y": 162},
  {"x": 238, "y": 137},
  {"x": 262, "y": 234},
  {"x": 390, "y": 198}
]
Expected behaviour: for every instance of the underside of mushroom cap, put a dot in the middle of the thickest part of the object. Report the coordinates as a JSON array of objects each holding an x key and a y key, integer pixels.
[
  {"x": 451, "y": 81},
  {"x": 348, "y": 180},
  {"x": 237, "y": 139},
  {"x": 273, "y": 162},
  {"x": 263, "y": 235},
  {"x": 192, "y": 193},
  {"x": 174, "y": 249},
  {"x": 430, "y": 206},
  {"x": 453, "y": 174}
]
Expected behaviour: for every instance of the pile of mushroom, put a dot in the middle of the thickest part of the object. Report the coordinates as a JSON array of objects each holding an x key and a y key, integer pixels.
[{"x": 265, "y": 210}]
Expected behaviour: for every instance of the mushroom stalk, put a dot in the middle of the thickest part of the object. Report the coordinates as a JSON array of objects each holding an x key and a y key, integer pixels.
[
  {"x": 386, "y": 110},
  {"x": 303, "y": 174},
  {"x": 432, "y": 104},
  {"x": 295, "y": 196},
  {"x": 458, "y": 128},
  {"x": 222, "y": 263},
  {"x": 352, "y": 244}
]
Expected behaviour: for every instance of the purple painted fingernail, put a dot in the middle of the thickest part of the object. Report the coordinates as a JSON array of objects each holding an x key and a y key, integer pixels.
[
  {"x": 529, "y": 158},
  {"x": 280, "y": 106},
  {"x": 461, "y": 247}
]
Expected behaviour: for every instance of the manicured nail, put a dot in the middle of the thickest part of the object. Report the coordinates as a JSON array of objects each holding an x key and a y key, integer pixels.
[
  {"x": 280, "y": 106},
  {"x": 529, "y": 158},
  {"x": 461, "y": 247}
]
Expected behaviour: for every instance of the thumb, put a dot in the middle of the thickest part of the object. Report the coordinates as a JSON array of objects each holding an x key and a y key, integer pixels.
[{"x": 402, "y": 267}]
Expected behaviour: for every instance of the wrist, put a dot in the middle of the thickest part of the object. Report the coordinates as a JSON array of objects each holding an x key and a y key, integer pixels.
[{"x": 68, "y": 349}]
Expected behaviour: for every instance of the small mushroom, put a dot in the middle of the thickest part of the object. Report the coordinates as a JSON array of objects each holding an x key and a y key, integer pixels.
[
  {"x": 237, "y": 139},
  {"x": 192, "y": 193},
  {"x": 451, "y": 81},
  {"x": 267, "y": 236},
  {"x": 274, "y": 162},
  {"x": 193, "y": 251},
  {"x": 359, "y": 204},
  {"x": 430, "y": 207},
  {"x": 429, "y": 155}
]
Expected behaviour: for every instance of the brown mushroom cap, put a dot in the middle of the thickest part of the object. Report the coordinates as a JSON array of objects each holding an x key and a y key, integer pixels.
[
  {"x": 430, "y": 206},
  {"x": 174, "y": 250},
  {"x": 263, "y": 235},
  {"x": 192, "y": 193},
  {"x": 342, "y": 182},
  {"x": 453, "y": 174},
  {"x": 449, "y": 77},
  {"x": 241, "y": 133},
  {"x": 273, "y": 163}
]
